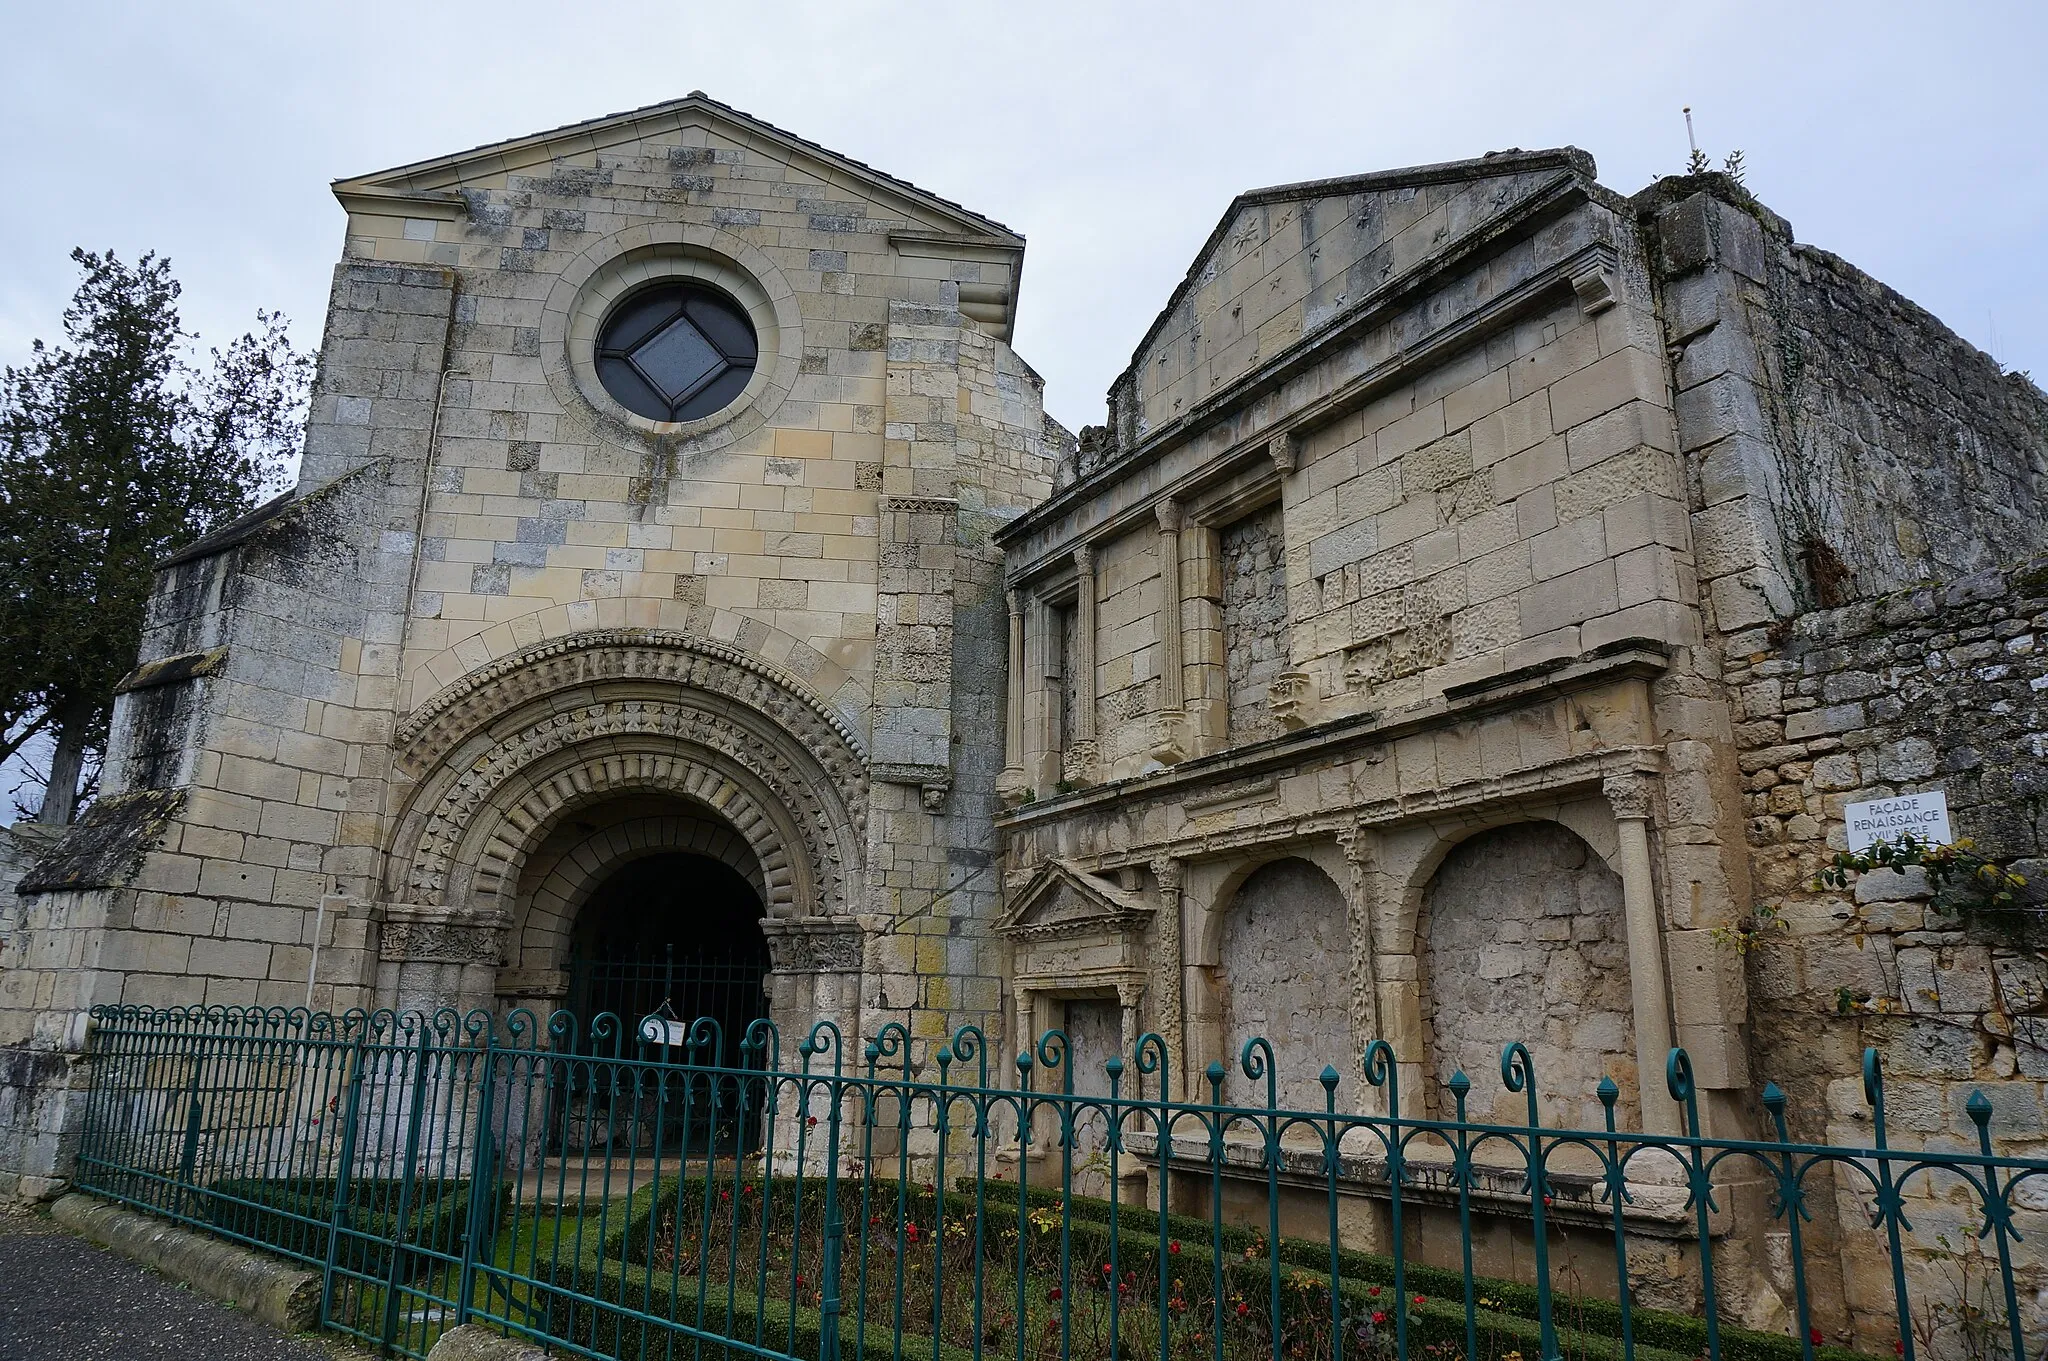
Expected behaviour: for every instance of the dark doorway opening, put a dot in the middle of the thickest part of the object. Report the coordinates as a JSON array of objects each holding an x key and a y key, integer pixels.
[{"x": 677, "y": 937}]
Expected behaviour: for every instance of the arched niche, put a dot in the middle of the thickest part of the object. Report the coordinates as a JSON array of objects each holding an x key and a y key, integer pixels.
[
  {"x": 1521, "y": 935},
  {"x": 1283, "y": 947}
]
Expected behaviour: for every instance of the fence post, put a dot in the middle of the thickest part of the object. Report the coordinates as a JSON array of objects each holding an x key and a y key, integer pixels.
[
  {"x": 482, "y": 1200},
  {"x": 338, "y": 1216},
  {"x": 407, "y": 1178},
  {"x": 188, "y": 1157}
]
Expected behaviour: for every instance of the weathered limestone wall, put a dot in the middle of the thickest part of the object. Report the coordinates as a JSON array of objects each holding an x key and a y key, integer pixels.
[
  {"x": 1284, "y": 262},
  {"x": 1523, "y": 939},
  {"x": 472, "y": 504},
  {"x": 1935, "y": 687}
]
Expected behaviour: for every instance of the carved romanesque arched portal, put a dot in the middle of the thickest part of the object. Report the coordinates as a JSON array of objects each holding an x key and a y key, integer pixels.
[{"x": 493, "y": 764}]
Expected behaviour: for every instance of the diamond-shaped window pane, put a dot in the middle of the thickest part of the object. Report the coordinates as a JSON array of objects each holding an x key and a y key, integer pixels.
[
  {"x": 676, "y": 352},
  {"x": 677, "y": 358}
]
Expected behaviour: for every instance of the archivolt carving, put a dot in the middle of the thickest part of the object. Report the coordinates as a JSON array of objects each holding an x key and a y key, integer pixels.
[
  {"x": 801, "y": 836},
  {"x": 434, "y": 729}
]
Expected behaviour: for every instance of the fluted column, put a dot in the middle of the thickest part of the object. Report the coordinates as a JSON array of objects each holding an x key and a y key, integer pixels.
[
  {"x": 1629, "y": 794},
  {"x": 1010, "y": 785},
  {"x": 1167, "y": 969}
]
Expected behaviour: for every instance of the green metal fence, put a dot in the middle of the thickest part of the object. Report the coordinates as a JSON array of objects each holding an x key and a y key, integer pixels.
[{"x": 928, "y": 1201}]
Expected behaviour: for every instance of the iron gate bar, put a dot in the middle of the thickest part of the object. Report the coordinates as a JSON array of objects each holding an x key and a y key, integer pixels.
[{"x": 407, "y": 1158}]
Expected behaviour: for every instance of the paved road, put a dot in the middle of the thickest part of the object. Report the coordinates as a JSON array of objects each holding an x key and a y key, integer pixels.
[{"x": 64, "y": 1299}]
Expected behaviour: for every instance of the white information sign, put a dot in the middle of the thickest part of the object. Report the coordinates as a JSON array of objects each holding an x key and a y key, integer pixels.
[
  {"x": 662, "y": 1030},
  {"x": 1923, "y": 815}
]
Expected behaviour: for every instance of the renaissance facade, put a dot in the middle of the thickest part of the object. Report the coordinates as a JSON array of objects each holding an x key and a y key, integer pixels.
[{"x": 1484, "y": 596}]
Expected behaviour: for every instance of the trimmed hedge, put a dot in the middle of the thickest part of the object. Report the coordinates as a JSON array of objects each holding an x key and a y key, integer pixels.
[
  {"x": 1681, "y": 1334},
  {"x": 586, "y": 1301},
  {"x": 293, "y": 1215}
]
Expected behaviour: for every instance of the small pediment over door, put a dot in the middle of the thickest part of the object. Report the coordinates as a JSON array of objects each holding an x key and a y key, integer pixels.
[{"x": 1060, "y": 900}]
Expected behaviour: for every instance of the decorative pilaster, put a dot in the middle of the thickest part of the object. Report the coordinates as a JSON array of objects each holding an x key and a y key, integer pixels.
[
  {"x": 1168, "y": 968},
  {"x": 1360, "y": 853},
  {"x": 1010, "y": 785},
  {"x": 1170, "y": 739},
  {"x": 1630, "y": 796},
  {"x": 1081, "y": 762}
]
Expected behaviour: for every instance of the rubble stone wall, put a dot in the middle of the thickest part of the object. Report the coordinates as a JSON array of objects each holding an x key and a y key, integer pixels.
[
  {"x": 1937, "y": 687},
  {"x": 1252, "y": 560}
]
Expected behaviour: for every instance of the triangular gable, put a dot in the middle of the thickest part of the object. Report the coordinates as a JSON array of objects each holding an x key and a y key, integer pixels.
[
  {"x": 429, "y": 188},
  {"x": 1060, "y": 898},
  {"x": 1284, "y": 263}
]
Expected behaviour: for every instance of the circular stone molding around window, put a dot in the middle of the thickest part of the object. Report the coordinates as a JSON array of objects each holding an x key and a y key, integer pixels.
[{"x": 672, "y": 331}]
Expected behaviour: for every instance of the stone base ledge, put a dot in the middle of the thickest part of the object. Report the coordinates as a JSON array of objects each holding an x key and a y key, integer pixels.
[
  {"x": 477, "y": 1342},
  {"x": 284, "y": 1295}
]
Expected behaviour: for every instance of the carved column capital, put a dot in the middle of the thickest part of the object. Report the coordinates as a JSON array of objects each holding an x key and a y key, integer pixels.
[
  {"x": 1084, "y": 560},
  {"x": 1629, "y": 794},
  {"x": 1167, "y": 871},
  {"x": 1015, "y": 599},
  {"x": 1168, "y": 511}
]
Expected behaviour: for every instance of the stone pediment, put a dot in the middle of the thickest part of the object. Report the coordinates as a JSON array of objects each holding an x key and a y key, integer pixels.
[
  {"x": 435, "y": 188},
  {"x": 1287, "y": 262},
  {"x": 1061, "y": 900}
]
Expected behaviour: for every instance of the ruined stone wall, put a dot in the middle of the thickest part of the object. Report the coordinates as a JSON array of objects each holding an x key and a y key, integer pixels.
[
  {"x": 1251, "y": 560},
  {"x": 1939, "y": 459},
  {"x": 1933, "y": 688},
  {"x": 1841, "y": 442},
  {"x": 1523, "y": 940}
]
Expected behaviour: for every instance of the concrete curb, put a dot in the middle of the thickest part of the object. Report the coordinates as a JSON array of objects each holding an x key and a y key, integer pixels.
[
  {"x": 285, "y": 1296},
  {"x": 475, "y": 1342}
]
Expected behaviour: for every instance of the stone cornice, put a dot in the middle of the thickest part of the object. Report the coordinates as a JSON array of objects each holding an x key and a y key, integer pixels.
[{"x": 1232, "y": 775}]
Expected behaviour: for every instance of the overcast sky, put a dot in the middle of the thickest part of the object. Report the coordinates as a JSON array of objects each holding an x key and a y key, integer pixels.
[{"x": 1912, "y": 139}]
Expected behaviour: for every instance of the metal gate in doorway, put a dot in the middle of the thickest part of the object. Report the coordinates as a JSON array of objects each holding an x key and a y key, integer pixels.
[{"x": 694, "y": 1002}]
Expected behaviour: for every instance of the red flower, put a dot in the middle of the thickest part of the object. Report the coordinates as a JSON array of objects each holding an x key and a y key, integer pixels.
[
  {"x": 1379, "y": 1316},
  {"x": 1422, "y": 1299},
  {"x": 1815, "y": 1335},
  {"x": 1106, "y": 1268},
  {"x": 799, "y": 1279},
  {"x": 1174, "y": 1247},
  {"x": 1374, "y": 1291},
  {"x": 1053, "y": 1295},
  {"x": 1243, "y": 1309},
  {"x": 910, "y": 1232},
  {"x": 1900, "y": 1346},
  {"x": 810, "y": 1120}
]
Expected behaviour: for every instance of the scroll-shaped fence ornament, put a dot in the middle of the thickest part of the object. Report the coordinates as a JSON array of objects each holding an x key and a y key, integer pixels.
[{"x": 429, "y": 1168}]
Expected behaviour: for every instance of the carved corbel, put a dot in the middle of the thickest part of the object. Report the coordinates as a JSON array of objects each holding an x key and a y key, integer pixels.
[
  {"x": 1292, "y": 700},
  {"x": 1595, "y": 282},
  {"x": 1281, "y": 449}
]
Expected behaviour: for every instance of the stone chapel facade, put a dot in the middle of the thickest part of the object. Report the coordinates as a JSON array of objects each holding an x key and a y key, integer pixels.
[{"x": 1484, "y": 596}]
